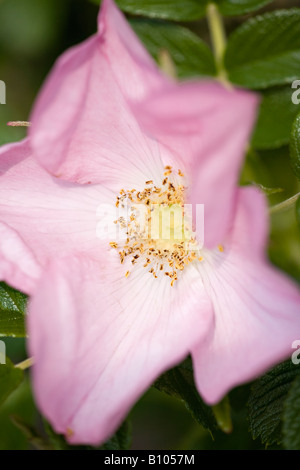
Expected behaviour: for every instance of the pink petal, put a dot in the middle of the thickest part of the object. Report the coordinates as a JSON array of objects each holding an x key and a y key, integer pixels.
[
  {"x": 134, "y": 69},
  {"x": 18, "y": 267},
  {"x": 257, "y": 308},
  {"x": 83, "y": 129},
  {"x": 99, "y": 340},
  {"x": 207, "y": 126},
  {"x": 250, "y": 226},
  {"x": 44, "y": 217}
]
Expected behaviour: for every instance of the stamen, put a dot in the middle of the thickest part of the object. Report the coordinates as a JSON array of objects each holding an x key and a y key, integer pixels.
[
  {"x": 146, "y": 241},
  {"x": 19, "y": 123},
  {"x": 69, "y": 432}
]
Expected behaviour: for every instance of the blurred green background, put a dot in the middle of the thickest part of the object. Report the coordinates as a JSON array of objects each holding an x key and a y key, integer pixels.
[{"x": 33, "y": 33}]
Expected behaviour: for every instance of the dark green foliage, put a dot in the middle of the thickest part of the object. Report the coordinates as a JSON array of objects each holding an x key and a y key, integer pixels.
[{"x": 266, "y": 402}]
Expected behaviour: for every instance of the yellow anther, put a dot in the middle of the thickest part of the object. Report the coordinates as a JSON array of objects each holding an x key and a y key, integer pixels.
[
  {"x": 69, "y": 432},
  {"x": 164, "y": 207}
]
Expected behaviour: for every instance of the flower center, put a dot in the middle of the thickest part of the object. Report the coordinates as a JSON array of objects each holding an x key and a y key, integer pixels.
[{"x": 157, "y": 227}]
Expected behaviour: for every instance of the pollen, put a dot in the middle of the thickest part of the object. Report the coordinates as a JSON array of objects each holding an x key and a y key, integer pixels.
[
  {"x": 221, "y": 248},
  {"x": 69, "y": 432},
  {"x": 158, "y": 231}
]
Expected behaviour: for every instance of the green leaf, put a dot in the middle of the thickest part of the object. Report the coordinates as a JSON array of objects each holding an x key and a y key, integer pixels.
[
  {"x": 187, "y": 10},
  {"x": 30, "y": 433},
  {"x": 267, "y": 400},
  {"x": 291, "y": 417},
  {"x": 179, "y": 382},
  {"x": 295, "y": 147},
  {"x": 121, "y": 440},
  {"x": 10, "y": 379},
  {"x": 12, "y": 311},
  {"x": 239, "y": 7},
  {"x": 298, "y": 210},
  {"x": 20, "y": 403},
  {"x": 275, "y": 119},
  {"x": 190, "y": 54},
  {"x": 265, "y": 51},
  {"x": 177, "y": 10}
]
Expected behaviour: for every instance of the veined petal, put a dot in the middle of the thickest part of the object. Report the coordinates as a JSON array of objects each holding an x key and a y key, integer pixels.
[
  {"x": 207, "y": 126},
  {"x": 250, "y": 227},
  {"x": 82, "y": 127},
  {"x": 43, "y": 217},
  {"x": 100, "y": 339},
  {"x": 257, "y": 308}
]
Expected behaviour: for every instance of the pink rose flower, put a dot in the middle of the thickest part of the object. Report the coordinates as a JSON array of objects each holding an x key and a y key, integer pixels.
[{"x": 106, "y": 123}]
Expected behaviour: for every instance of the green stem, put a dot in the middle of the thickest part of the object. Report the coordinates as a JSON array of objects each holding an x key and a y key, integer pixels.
[
  {"x": 284, "y": 205},
  {"x": 25, "y": 364},
  {"x": 166, "y": 64},
  {"x": 218, "y": 38}
]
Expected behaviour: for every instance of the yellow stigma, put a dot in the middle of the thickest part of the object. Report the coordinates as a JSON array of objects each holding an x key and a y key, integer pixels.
[{"x": 158, "y": 229}]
